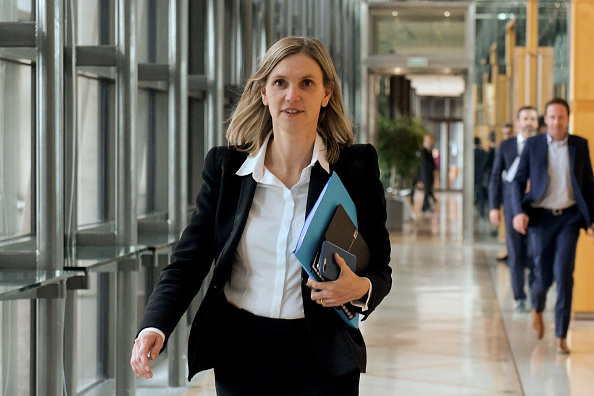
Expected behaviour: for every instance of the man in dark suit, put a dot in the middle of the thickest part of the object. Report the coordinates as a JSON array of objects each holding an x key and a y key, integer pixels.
[
  {"x": 503, "y": 172},
  {"x": 553, "y": 197},
  {"x": 426, "y": 170},
  {"x": 480, "y": 177}
]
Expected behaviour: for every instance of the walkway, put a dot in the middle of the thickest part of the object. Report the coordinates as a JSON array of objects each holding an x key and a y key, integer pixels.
[{"x": 448, "y": 327}]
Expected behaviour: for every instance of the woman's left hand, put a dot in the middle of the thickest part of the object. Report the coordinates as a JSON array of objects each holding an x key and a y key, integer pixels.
[{"x": 348, "y": 287}]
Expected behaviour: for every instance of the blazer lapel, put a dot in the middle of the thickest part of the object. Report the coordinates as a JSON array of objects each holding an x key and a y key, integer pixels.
[
  {"x": 317, "y": 180},
  {"x": 543, "y": 159},
  {"x": 246, "y": 196},
  {"x": 572, "y": 158}
]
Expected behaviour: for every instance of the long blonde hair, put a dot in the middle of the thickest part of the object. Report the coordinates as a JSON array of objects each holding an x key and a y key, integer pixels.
[{"x": 251, "y": 121}]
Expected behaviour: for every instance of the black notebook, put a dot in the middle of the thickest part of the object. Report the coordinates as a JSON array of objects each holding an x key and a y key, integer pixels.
[{"x": 342, "y": 232}]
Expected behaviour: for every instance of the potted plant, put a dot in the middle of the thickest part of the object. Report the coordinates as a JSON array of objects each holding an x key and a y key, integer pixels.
[{"x": 399, "y": 142}]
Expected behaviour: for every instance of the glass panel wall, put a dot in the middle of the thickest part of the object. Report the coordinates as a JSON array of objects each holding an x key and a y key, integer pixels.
[
  {"x": 152, "y": 109},
  {"x": 16, "y": 11},
  {"x": 91, "y": 161},
  {"x": 553, "y": 27},
  {"x": 89, "y": 344},
  {"x": 15, "y": 148},
  {"x": 405, "y": 31},
  {"x": 15, "y": 335},
  {"x": 90, "y": 109}
]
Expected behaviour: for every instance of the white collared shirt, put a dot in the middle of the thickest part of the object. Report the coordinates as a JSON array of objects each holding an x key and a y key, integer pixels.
[
  {"x": 266, "y": 277},
  {"x": 509, "y": 174},
  {"x": 520, "y": 140},
  {"x": 559, "y": 192}
]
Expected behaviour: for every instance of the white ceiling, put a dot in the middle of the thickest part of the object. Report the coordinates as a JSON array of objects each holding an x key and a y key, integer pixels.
[{"x": 437, "y": 85}]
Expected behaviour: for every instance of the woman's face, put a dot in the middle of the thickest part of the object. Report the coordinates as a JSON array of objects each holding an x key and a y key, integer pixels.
[{"x": 294, "y": 94}]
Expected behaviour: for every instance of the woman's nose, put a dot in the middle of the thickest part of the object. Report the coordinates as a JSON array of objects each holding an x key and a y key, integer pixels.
[{"x": 292, "y": 94}]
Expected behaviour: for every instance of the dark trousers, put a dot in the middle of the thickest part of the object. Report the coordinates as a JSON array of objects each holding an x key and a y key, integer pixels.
[
  {"x": 519, "y": 258},
  {"x": 263, "y": 356},
  {"x": 481, "y": 199},
  {"x": 553, "y": 240},
  {"x": 428, "y": 194}
]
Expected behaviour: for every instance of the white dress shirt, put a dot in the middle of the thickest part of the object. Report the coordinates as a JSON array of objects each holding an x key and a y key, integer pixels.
[
  {"x": 266, "y": 277},
  {"x": 509, "y": 175},
  {"x": 559, "y": 192}
]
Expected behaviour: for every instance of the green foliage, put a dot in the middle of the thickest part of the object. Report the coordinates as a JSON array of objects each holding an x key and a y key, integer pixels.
[{"x": 399, "y": 141}]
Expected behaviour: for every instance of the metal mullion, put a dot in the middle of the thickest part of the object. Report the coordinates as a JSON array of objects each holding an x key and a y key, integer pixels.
[
  {"x": 178, "y": 158},
  {"x": 269, "y": 23},
  {"x": 126, "y": 188},
  {"x": 151, "y": 185},
  {"x": 235, "y": 47},
  {"x": 71, "y": 330},
  {"x": 178, "y": 113},
  {"x": 126, "y": 87},
  {"x": 18, "y": 34},
  {"x": 287, "y": 15},
  {"x": 258, "y": 29},
  {"x": 215, "y": 22},
  {"x": 302, "y": 18},
  {"x": 247, "y": 39},
  {"x": 70, "y": 126},
  {"x": 49, "y": 197}
]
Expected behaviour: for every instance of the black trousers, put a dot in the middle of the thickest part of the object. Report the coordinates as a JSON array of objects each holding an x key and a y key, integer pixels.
[{"x": 264, "y": 356}]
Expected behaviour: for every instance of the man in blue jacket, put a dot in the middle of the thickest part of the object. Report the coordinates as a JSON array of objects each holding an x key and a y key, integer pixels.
[
  {"x": 553, "y": 197},
  {"x": 503, "y": 172}
]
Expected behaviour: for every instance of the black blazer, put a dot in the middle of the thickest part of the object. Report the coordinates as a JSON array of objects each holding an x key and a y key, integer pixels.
[
  {"x": 534, "y": 166},
  {"x": 214, "y": 231},
  {"x": 504, "y": 157}
]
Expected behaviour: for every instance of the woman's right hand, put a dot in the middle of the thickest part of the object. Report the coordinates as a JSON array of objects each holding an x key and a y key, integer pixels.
[{"x": 148, "y": 344}]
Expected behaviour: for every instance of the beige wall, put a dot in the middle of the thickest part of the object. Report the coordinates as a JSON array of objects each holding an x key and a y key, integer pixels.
[{"x": 582, "y": 122}]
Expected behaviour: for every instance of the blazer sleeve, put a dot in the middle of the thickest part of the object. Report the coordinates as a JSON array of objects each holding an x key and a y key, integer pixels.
[
  {"x": 191, "y": 260},
  {"x": 588, "y": 185},
  {"x": 496, "y": 182},
  {"x": 359, "y": 171}
]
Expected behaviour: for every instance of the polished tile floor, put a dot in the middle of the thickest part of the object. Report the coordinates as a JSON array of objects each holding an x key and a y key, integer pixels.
[{"x": 448, "y": 326}]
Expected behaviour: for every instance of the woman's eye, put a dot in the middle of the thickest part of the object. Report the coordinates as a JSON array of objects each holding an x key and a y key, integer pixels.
[
  {"x": 279, "y": 83},
  {"x": 307, "y": 83}
]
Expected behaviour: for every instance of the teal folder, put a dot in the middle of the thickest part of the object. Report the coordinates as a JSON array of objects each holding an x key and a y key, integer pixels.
[{"x": 316, "y": 224}]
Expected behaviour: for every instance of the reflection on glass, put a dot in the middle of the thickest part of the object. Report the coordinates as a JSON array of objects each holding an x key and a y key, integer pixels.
[
  {"x": 410, "y": 34},
  {"x": 15, "y": 324},
  {"x": 90, "y": 148},
  {"x": 16, "y": 10},
  {"x": 15, "y": 150},
  {"x": 88, "y": 369},
  {"x": 89, "y": 22}
]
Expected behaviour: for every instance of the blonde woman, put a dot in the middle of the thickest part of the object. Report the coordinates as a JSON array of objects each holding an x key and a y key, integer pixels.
[{"x": 263, "y": 325}]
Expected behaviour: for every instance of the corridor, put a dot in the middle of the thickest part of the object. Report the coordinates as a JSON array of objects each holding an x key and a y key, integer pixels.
[{"x": 448, "y": 327}]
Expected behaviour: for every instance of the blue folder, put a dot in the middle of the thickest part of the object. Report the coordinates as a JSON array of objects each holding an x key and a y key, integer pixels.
[{"x": 316, "y": 224}]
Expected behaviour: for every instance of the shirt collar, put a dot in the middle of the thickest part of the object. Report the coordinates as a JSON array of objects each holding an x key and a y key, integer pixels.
[
  {"x": 521, "y": 139},
  {"x": 255, "y": 164},
  {"x": 558, "y": 142}
]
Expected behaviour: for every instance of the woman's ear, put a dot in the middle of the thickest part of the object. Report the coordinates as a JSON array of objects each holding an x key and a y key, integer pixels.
[
  {"x": 264, "y": 97},
  {"x": 327, "y": 97}
]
